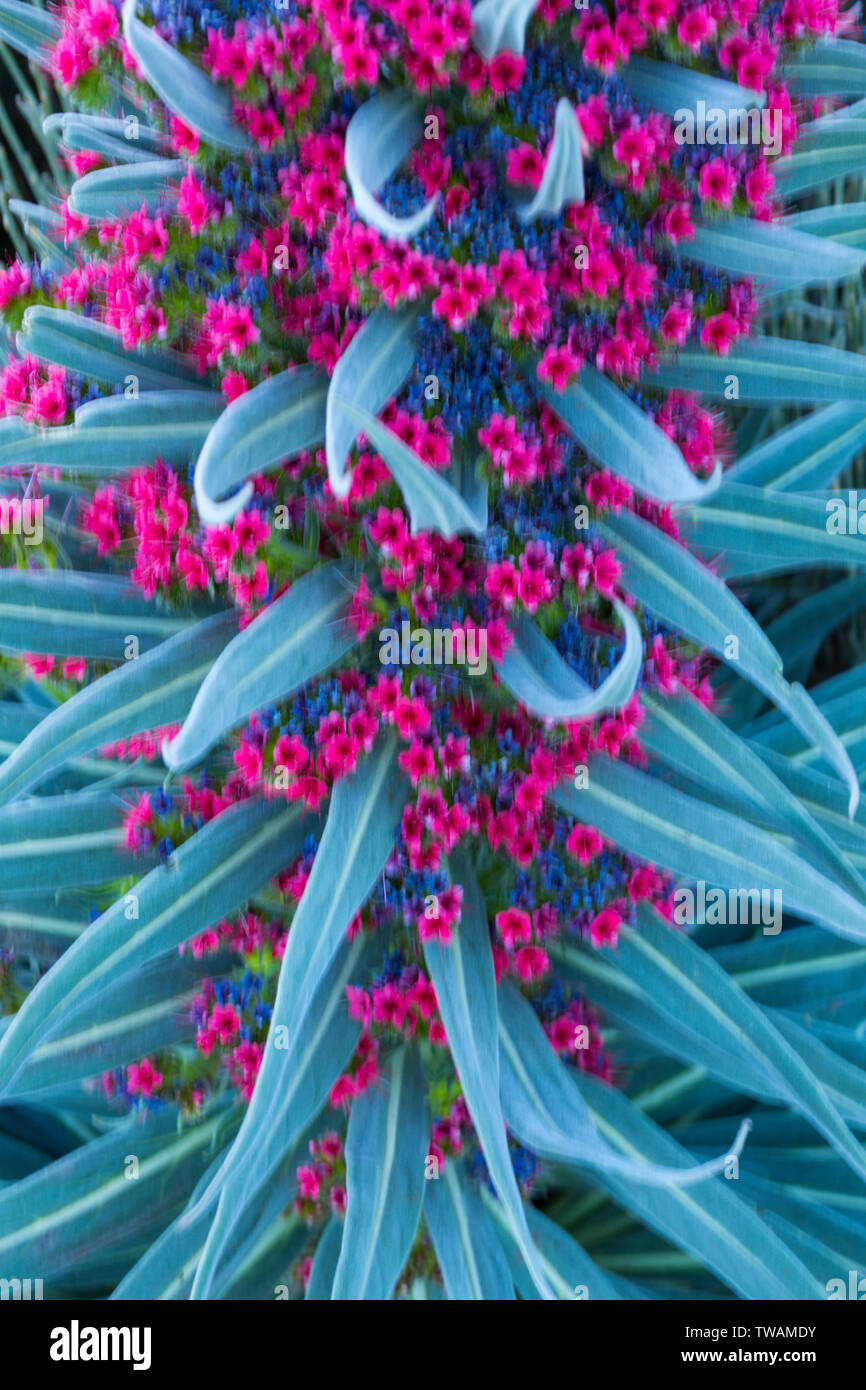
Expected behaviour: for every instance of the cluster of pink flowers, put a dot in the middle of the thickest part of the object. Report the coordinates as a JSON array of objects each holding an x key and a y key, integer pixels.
[
  {"x": 321, "y": 1184},
  {"x": 33, "y": 391},
  {"x": 406, "y": 1007},
  {"x": 89, "y": 26}
]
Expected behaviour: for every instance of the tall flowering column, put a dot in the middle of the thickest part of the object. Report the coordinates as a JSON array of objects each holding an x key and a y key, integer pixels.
[{"x": 396, "y": 382}]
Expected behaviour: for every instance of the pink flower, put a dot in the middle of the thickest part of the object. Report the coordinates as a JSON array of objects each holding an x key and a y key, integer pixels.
[
  {"x": 514, "y": 926},
  {"x": 142, "y": 1078},
  {"x": 558, "y": 366},
  {"x": 604, "y": 927},
  {"x": 717, "y": 182},
  {"x": 525, "y": 165},
  {"x": 193, "y": 204},
  {"x": 506, "y": 72},
  {"x": 584, "y": 843},
  {"x": 719, "y": 332},
  {"x": 531, "y": 963}
]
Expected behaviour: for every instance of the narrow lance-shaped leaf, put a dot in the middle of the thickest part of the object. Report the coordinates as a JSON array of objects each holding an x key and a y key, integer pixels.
[
  {"x": 299, "y": 636},
  {"x": 371, "y": 370},
  {"x": 434, "y": 503},
  {"x": 119, "y": 191},
  {"x": 121, "y": 139},
  {"x": 536, "y": 674},
  {"x": 213, "y": 874},
  {"x": 278, "y": 418},
  {"x": 808, "y": 454},
  {"x": 114, "y": 434},
  {"x": 463, "y": 978},
  {"x": 749, "y": 526},
  {"x": 359, "y": 835},
  {"x": 185, "y": 89},
  {"x": 291, "y": 1088},
  {"x": 78, "y": 615},
  {"x": 618, "y": 434},
  {"x": 73, "y": 1214},
  {"x": 379, "y": 136},
  {"x": 712, "y": 1223},
  {"x": 469, "y": 1253},
  {"x": 149, "y": 693},
  {"x": 834, "y": 68},
  {"x": 671, "y": 89},
  {"x": 562, "y": 181},
  {"x": 500, "y": 25},
  {"x": 780, "y": 258},
  {"x": 31, "y": 30},
  {"x": 324, "y": 1265},
  {"x": 684, "y": 981},
  {"x": 827, "y": 149},
  {"x": 685, "y": 735},
  {"x": 546, "y": 1112},
  {"x": 677, "y": 587},
  {"x": 62, "y": 841},
  {"x": 567, "y": 1266},
  {"x": 95, "y": 350},
  {"x": 643, "y": 815},
  {"x": 777, "y": 371},
  {"x": 133, "y": 1018},
  {"x": 386, "y": 1146}
]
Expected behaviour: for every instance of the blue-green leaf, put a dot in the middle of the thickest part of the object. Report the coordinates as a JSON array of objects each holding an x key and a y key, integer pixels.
[
  {"x": 115, "y": 434},
  {"x": 82, "y": 1216},
  {"x": 371, "y": 370},
  {"x": 362, "y": 823},
  {"x": 187, "y": 91},
  {"x": 133, "y": 1017},
  {"x": 462, "y": 976},
  {"x": 843, "y": 222},
  {"x": 686, "y": 736},
  {"x": 685, "y": 983},
  {"x": 500, "y": 25},
  {"x": 779, "y": 257},
  {"x": 95, "y": 350},
  {"x": 562, "y": 181},
  {"x": 672, "y": 89},
  {"x": 644, "y": 817},
  {"x": 620, "y": 436},
  {"x": 536, "y": 674},
  {"x": 31, "y": 30},
  {"x": 749, "y": 526},
  {"x": 59, "y": 841},
  {"x": 122, "y": 140},
  {"x": 124, "y": 189},
  {"x": 434, "y": 502},
  {"x": 78, "y": 615},
  {"x": 379, "y": 136},
  {"x": 775, "y": 370},
  {"x": 212, "y": 875},
  {"x": 149, "y": 693},
  {"x": 299, "y": 636},
  {"x": 571, "y": 1272},
  {"x": 547, "y": 1113},
  {"x": 325, "y": 1261},
  {"x": 386, "y": 1146},
  {"x": 711, "y": 1222},
  {"x": 831, "y": 148},
  {"x": 807, "y": 455},
  {"x": 278, "y": 418},
  {"x": 678, "y": 588},
  {"x": 831, "y": 67},
  {"x": 291, "y": 1089},
  {"x": 470, "y": 1256}
]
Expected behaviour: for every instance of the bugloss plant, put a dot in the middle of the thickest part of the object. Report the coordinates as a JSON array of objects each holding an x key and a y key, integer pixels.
[{"x": 345, "y": 317}]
